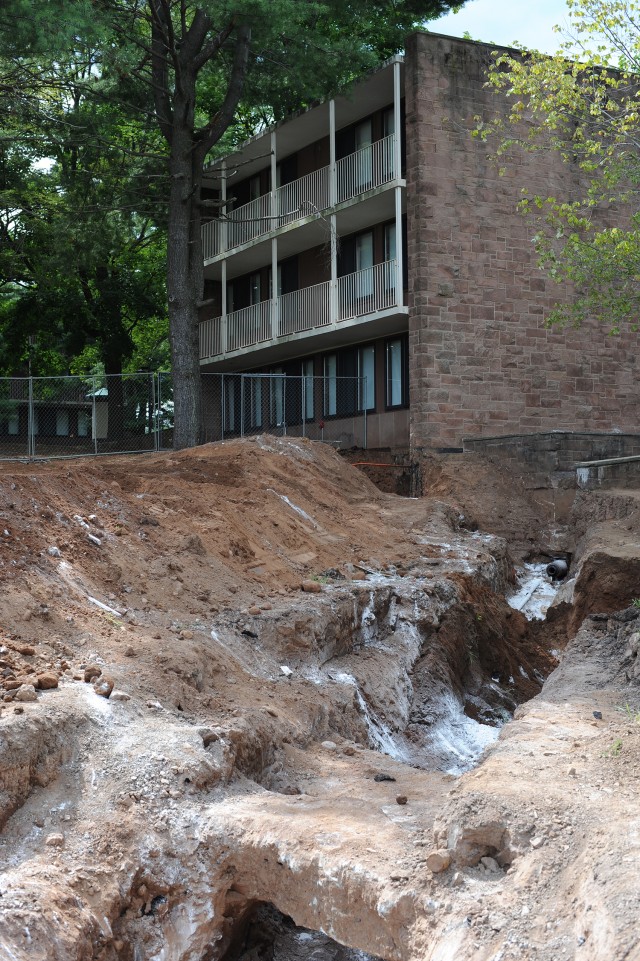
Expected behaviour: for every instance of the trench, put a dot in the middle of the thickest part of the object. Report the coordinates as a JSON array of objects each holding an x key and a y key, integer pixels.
[{"x": 423, "y": 672}]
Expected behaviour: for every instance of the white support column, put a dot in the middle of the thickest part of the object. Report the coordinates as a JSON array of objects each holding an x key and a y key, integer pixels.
[
  {"x": 397, "y": 120},
  {"x": 223, "y": 319},
  {"x": 397, "y": 159},
  {"x": 275, "y": 222},
  {"x": 333, "y": 187},
  {"x": 333, "y": 199},
  {"x": 333, "y": 287},
  {"x": 274, "y": 287},
  {"x": 274, "y": 196},
  {"x": 223, "y": 208}
]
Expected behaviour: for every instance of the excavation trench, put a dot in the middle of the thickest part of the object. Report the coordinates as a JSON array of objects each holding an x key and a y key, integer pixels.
[{"x": 413, "y": 674}]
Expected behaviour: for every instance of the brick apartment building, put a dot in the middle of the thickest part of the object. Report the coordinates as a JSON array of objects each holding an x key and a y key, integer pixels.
[{"x": 399, "y": 257}]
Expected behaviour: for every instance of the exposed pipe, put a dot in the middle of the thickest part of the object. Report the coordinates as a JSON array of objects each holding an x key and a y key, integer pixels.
[{"x": 557, "y": 569}]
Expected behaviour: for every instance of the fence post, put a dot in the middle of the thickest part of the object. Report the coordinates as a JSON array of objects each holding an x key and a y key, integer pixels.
[
  {"x": 304, "y": 404},
  {"x": 155, "y": 413},
  {"x": 222, "y": 410},
  {"x": 284, "y": 405},
  {"x": 241, "y": 405},
  {"x": 31, "y": 441},
  {"x": 94, "y": 418}
]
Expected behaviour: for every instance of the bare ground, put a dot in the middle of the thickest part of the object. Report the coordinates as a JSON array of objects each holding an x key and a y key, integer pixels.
[{"x": 278, "y": 634}]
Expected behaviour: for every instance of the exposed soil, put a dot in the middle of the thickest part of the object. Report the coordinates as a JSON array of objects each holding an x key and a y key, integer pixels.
[{"x": 242, "y": 687}]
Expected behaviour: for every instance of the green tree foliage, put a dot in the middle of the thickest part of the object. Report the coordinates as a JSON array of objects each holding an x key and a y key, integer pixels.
[
  {"x": 583, "y": 103},
  {"x": 82, "y": 255}
]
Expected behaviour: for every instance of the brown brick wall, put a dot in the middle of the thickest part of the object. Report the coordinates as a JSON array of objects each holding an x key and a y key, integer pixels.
[{"x": 481, "y": 361}]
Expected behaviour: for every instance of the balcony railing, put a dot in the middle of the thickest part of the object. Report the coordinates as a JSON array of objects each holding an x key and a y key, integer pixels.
[
  {"x": 371, "y": 166},
  {"x": 304, "y": 309},
  {"x": 368, "y": 167},
  {"x": 363, "y": 292},
  {"x": 367, "y": 291},
  {"x": 303, "y": 197},
  {"x": 249, "y": 326}
]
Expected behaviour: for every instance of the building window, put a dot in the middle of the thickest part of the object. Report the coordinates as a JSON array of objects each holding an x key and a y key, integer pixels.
[
  {"x": 364, "y": 265},
  {"x": 363, "y": 159},
  {"x": 254, "y": 289},
  {"x": 330, "y": 385},
  {"x": 62, "y": 423},
  {"x": 84, "y": 423},
  {"x": 349, "y": 381},
  {"x": 397, "y": 372},
  {"x": 276, "y": 404},
  {"x": 307, "y": 388},
  {"x": 367, "y": 375}
]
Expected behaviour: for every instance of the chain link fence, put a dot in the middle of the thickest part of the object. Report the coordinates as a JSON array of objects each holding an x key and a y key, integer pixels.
[{"x": 45, "y": 417}]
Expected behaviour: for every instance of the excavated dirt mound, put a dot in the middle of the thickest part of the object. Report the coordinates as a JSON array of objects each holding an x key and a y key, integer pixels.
[{"x": 241, "y": 689}]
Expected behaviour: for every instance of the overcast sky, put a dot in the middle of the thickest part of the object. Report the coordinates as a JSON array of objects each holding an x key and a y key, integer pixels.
[{"x": 505, "y": 21}]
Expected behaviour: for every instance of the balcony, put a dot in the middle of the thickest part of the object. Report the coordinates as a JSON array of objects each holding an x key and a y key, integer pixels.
[
  {"x": 370, "y": 167},
  {"x": 357, "y": 295}
]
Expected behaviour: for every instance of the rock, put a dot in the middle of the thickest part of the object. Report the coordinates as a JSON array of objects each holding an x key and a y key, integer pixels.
[
  {"x": 120, "y": 696},
  {"x": 401, "y": 799},
  {"x": 55, "y": 841},
  {"x": 490, "y": 864},
  {"x": 383, "y": 777},
  {"x": 94, "y": 540},
  {"x": 266, "y": 607},
  {"x": 254, "y": 610},
  {"x": 12, "y": 684},
  {"x": 286, "y": 670},
  {"x": 597, "y": 715},
  {"x": 130, "y": 651},
  {"x": 47, "y": 681},
  {"x": 536, "y": 843},
  {"x": 18, "y": 710},
  {"x": 349, "y": 750},
  {"x": 92, "y": 671},
  {"x": 438, "y": 861},
  {"x": 571, "y": 771},
  {"x": 27, "y": 650},
  {"x": 187, "y": 635},
  {"x": 329, "y": 745},
  {"x": 311, "y": 587},
  {"x": 54, "y": 551},
  {"x": 103, "y": 685},
  {"x": 208, "y": 736},
  {"x": 26, "y": 692},
  {"x": 358, "y": 576},
  {"x": 193, "y": 545}
]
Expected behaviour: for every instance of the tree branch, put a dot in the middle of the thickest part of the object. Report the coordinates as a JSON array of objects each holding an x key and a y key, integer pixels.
[{"x": 210, "y": 134}]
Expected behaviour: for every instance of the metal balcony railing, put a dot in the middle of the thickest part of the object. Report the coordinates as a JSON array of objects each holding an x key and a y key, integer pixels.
[
  {"x": 367, "y": 291},
  {"x": 303, "y": 197},
  {"x": 211, "y": 337},
  {"x": 304, "y": 309},
  {"x": 357, "y": 294},
  {"x": 249, "y": 326},
  {"x": 371, "y": 166}
]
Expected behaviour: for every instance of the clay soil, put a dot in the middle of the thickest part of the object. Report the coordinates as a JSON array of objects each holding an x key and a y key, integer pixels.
[{"x": 242, "y": 679}]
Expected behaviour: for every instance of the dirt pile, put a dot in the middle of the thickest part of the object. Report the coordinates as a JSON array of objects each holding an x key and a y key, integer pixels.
[{"x": 303, "y": 668}]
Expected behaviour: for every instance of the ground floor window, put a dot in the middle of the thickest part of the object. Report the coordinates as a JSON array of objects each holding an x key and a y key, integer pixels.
[
  {"x": 397, "y": 372},
  {"x": 367, "y": 375}
]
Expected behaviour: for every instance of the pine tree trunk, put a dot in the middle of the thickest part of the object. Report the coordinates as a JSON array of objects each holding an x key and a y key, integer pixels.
[{"x": 184, "y": 282}]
